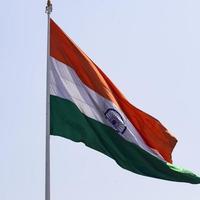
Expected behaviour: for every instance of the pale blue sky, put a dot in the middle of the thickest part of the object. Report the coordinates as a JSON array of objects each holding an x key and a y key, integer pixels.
[{"x": 151, "y": 51}]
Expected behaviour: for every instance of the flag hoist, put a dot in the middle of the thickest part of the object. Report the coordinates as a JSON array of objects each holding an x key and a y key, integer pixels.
[{"x": 47, "y": 148}]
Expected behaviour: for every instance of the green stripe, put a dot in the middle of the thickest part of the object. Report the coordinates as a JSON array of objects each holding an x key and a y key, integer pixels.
[{"x": 67, "y": 121}]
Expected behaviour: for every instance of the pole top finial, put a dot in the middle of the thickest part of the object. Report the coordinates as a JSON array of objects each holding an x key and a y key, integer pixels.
[
  {"x": 49, "y": 7},
  {"x": 48, "y": 2}
]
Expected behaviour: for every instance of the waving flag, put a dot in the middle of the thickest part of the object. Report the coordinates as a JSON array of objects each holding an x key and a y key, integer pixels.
[{"x": 85, "y": 106}]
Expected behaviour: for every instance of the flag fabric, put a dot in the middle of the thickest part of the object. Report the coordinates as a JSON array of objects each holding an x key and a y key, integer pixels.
[{"x": 85, "y": 106}]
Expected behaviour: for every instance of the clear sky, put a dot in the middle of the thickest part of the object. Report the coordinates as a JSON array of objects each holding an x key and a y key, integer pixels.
[{"x": 149, "y": 49}]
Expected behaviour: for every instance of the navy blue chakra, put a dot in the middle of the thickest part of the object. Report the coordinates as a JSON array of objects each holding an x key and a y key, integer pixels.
[{"x": 116, "y": 120}]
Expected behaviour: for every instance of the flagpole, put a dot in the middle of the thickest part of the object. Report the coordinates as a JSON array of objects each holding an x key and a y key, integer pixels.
[{"x": 47, "y": 146}]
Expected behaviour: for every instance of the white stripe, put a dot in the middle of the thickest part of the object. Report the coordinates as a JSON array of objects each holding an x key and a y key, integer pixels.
[{"x": 65, "y": 83}]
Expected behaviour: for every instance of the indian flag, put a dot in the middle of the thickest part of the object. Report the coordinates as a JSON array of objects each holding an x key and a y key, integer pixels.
[{"x": 85, "y": 106}]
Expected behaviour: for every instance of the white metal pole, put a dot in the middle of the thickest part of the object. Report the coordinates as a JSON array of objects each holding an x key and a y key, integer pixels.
[{"x": 47, "y": 149}]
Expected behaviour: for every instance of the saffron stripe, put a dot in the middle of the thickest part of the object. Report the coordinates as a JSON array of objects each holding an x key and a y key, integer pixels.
[{"x": 151, "y": 130}]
